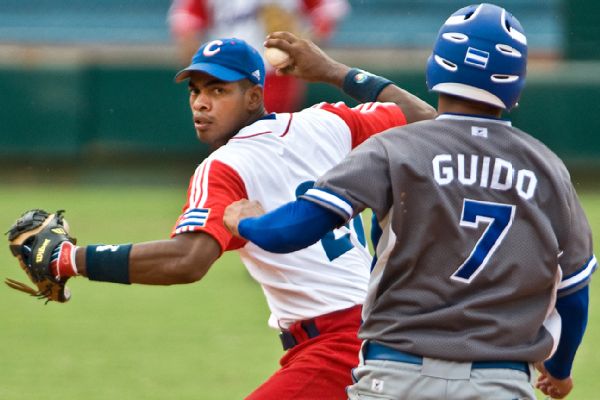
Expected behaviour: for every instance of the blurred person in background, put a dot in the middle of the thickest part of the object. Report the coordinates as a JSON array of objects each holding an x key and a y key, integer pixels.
[{"x": 193, "y": 21}]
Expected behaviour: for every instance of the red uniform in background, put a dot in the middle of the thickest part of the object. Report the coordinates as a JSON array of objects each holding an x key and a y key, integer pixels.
[{"x": 194, "y": 21}]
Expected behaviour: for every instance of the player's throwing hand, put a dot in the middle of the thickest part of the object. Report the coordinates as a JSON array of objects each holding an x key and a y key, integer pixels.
[{"x": 308, "y": 61}]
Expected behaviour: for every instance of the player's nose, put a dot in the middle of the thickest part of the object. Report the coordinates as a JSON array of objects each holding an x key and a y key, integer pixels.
[{"x": 201, "y": 103}]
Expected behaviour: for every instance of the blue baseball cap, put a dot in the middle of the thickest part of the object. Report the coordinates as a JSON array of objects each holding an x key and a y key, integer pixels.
[{"x": 228, "y": 60}]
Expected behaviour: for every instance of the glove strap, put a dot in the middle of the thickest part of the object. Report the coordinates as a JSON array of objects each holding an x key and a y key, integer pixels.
[{"x": 62, "y": 263}]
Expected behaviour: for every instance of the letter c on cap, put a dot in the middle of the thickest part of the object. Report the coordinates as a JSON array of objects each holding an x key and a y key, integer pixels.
[{"x": 212, "y": 48}]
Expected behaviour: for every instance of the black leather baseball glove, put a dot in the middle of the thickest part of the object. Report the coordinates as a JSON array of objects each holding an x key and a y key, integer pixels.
[{"x": 33, "y": 238}]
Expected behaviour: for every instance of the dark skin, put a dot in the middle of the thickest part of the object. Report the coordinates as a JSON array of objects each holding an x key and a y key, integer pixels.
[
  {"x": 212, "y": 102},
  {"x": 219, "y": 110},
  {"x": 457, "y": 105}
]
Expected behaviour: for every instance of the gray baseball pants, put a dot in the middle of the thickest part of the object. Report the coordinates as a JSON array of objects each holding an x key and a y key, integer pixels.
[{"x": 437, "y": 379}]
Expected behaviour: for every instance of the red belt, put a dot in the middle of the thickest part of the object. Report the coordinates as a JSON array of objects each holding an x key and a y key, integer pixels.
[{"x": 301, "y": 331}]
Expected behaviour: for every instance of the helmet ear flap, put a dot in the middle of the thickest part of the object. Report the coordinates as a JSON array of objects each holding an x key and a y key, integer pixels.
[{"x": 480, "y": 54}]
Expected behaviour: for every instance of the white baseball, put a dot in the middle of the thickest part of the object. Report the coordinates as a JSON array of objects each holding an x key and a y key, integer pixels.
[{"x": 277, "y": 58}]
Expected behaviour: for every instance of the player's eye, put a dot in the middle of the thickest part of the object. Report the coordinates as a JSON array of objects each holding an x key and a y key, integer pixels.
[
  {"x": 193, "y": 90},
  {"x": 218, "y": 90}
]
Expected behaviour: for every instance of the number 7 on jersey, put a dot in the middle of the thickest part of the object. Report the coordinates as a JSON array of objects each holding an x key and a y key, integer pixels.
[{"x": 499, "y": 218}]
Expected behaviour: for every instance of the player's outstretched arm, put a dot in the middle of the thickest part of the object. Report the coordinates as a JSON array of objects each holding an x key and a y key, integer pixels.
[
  {"x": 183, "y": 259},
  {"x": 48, "y": 254},
  {"x": 310, "y": 63}
]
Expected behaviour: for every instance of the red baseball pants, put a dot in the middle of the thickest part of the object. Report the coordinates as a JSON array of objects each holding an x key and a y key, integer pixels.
[{"x": 317, "y": 368}]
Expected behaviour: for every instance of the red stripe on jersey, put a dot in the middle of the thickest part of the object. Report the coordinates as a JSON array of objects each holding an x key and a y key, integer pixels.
[
  {"x": 213, "y": 187},
  {"x": 249, "y": 136},
  {"x": 195, "y": 188},
  {"x": 287, "y": 128},
  {"x": 366, "y": 119},
  {"x": 285, "y": 132}
]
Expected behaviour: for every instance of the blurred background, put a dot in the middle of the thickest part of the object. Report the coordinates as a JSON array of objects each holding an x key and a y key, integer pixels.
[
  {"x": 91, "y": 121},
  {"x": 89, "y": 81}
]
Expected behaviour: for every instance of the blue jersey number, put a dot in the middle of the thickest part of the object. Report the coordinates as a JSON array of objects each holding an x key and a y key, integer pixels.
[
  {"x": 335, "y": 247},
  {"x": 499, "y": 218}
]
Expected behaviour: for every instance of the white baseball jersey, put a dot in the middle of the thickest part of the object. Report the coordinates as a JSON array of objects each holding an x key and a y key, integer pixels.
[{"x": 274, "y": 161}]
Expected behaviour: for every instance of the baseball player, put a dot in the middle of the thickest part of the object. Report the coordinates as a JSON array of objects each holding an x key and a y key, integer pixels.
[
  {"x": 315, "y": 295},
  {"x": 192, "y": 20},
  {"x": 485, "y": 255}
]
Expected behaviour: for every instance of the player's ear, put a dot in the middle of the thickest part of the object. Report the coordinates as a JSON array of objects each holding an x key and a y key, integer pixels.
[{"x": 254, "y": 97}]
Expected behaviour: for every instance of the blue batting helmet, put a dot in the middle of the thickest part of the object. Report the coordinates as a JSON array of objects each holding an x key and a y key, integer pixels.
[{"x": 480, "y": 54}]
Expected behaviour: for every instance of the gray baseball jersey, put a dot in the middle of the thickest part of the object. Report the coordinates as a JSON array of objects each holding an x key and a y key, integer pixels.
[{"x": 482, "y": 229}]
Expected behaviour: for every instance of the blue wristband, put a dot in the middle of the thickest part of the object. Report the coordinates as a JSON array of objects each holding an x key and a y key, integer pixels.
[
  {"x": 108, "y": 263},
  {"x": 364, "y": 86}
]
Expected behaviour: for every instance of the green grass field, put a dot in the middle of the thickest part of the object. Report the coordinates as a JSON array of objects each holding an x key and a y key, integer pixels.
[{"x": 207, "y": 340}]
